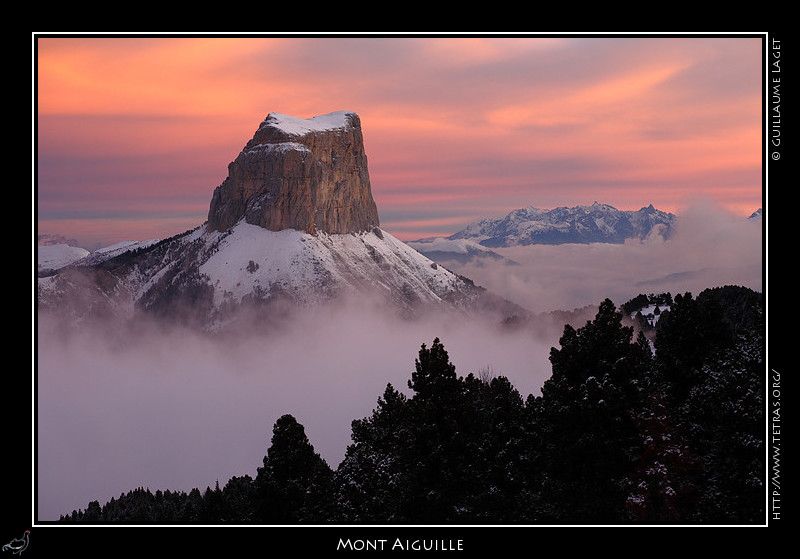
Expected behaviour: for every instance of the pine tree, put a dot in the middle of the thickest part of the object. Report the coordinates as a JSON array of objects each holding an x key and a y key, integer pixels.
[
  {"x": 213, "y": 505},
  {"x": 93, "y": 514},
  {"x": 371, "y": 480},
  {"x": 294, "y": 484},
  {"x": 399, "y": 467},
  {"x": 589, "y": 440},
  {"x": 434, "y": 377},
  {"x": 438, "y": 440},
  {"x": 238, "y": 501},
  {"x": 193, "y": 509},
  {"x": 493, "y": 480},
  {"x": 723, "y": 416},
  {"x": 664, "y": 485},
  {"x": 710, "y": 356}
]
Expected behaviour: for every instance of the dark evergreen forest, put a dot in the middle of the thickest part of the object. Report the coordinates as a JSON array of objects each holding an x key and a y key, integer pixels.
[{"x": 663, "y": 428}]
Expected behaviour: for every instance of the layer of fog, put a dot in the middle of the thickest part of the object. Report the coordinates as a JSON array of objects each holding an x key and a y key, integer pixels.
[
  {"x": 179, "y": 411},
  {"x": 709, "y": 247}
]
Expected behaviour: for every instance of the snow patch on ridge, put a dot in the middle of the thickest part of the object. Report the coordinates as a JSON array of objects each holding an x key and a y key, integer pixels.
[
  {"x": 279, "y": 148},
  {"x": 444, "y": 244}
]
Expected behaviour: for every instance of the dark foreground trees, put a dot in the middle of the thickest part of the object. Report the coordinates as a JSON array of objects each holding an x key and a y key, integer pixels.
[
  {"x": 620, "y": 434},
  {"x": 448, "y": 454},
  {"x": 588, "y": 438}
]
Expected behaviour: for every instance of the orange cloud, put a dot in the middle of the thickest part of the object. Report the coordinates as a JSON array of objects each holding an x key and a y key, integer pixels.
[{"x": 140, "y": 76}]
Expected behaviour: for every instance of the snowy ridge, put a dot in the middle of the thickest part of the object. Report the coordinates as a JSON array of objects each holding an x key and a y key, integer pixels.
[
  {"x": 54, "y": 257},
  {"x": 119, "y": 248},
  {"x": 461, "y": 251},
  {"x": 444, "y": 244}
]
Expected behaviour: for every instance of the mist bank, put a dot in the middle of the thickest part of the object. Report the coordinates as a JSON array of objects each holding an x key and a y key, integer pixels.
[{"x": 176, "y": 409}]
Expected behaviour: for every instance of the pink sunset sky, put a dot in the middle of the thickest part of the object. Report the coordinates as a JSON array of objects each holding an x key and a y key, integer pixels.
[{"x": 134, "y": 133}]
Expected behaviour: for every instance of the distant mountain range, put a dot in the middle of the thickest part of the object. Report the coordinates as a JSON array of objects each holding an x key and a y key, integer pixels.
[{"x": 598, "y": 223}]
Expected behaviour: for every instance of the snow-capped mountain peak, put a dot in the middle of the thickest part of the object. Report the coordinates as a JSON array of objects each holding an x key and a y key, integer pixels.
[{"x": 295, "y": 225}]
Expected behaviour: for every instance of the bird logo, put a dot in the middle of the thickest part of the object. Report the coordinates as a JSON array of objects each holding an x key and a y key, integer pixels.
[{"x": 18, "y": 545}]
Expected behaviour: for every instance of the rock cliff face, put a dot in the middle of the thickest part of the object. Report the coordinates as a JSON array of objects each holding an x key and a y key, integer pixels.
[{"x": 305, "y": 174}]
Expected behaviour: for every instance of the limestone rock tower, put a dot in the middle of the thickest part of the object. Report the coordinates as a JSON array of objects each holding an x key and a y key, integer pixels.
[{"x": 306, "y": 174}]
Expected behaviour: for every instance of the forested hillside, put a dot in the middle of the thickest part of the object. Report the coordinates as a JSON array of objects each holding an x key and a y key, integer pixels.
[{"x": 625, "y": 431}]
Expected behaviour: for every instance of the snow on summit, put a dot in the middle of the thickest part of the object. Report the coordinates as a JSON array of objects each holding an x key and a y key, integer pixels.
[{"x": 297, "y": 126}]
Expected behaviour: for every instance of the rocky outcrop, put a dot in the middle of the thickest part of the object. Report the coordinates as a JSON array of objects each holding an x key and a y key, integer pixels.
[{"x": 305, "y": 174}]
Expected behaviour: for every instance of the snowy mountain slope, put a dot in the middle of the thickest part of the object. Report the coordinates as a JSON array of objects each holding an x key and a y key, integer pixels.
[
  {"x": 208, "y": 276},
  {"x": 250, "y": 259}
]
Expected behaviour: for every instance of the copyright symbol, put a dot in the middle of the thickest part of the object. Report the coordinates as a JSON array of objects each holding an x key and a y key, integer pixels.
[{"x": 776, "y": 155}]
